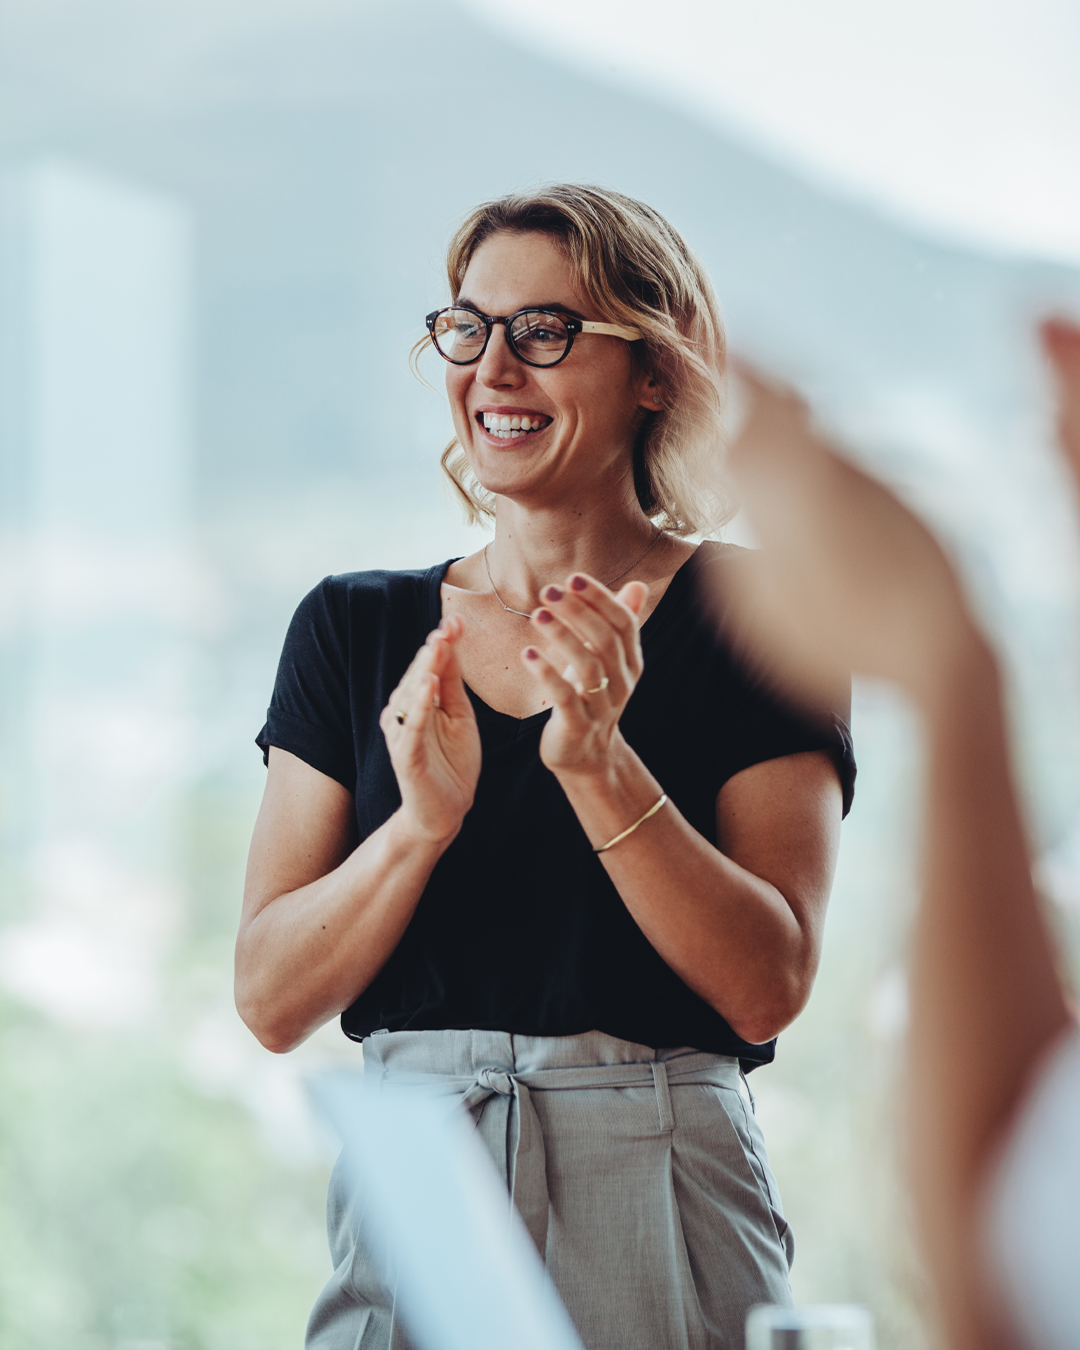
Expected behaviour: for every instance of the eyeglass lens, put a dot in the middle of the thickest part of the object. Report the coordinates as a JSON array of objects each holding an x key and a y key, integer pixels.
[{"x": 535, "y": 335}]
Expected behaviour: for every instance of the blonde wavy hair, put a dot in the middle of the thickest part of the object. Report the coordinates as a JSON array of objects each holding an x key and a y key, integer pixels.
[{"x": 636, "y": 270}]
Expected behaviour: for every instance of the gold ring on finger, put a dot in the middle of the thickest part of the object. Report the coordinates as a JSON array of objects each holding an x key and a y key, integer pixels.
[{"x": 600, "y": 687}]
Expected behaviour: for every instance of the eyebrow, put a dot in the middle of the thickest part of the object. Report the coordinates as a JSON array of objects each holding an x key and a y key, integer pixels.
[{"x": 556, "y": 305}]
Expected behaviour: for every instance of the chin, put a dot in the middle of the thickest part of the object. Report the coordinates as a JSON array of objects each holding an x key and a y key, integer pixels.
[
  {"x": 500, "y": 485},
  {"x": 505, "y": 480}
]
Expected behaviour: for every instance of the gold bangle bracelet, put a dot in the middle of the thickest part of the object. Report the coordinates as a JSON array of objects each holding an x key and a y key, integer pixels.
[{"x": 620, "y": 837}]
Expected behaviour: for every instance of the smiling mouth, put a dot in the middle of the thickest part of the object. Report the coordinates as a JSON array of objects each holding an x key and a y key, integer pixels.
[{"x": 507, "y": 427}]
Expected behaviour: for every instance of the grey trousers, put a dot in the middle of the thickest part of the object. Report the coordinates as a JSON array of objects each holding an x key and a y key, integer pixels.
[{"x": 641, "y": 1175}]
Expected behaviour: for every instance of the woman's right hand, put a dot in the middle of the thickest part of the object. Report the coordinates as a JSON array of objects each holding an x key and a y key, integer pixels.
[{"x": 431, "y": 733}]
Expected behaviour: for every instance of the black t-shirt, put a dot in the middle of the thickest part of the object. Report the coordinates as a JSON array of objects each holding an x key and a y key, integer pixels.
[{"x": 519, "y": 928}]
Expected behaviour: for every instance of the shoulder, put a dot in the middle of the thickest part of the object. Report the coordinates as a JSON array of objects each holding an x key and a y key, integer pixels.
[
  {"x": 348, "y": 613},
  {"x": 379, "y": 584},
  {"x": 344, "y": 595}
]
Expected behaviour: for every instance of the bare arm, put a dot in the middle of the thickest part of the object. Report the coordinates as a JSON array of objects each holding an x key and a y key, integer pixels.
[
  {"x": 319, "y": 921},
  {"x": 740, "y": 923},
  {"x": 852, "y": 574},
  {"x": 320, "y": 916},
  {"x": 986, "y": 998}
]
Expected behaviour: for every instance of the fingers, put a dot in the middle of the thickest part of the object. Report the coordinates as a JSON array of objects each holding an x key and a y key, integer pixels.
[
  {"x": 432, "y": 680},
  {"x": 633, "y": 594},
  {"x": 595, "y": 632},
  {"x": 405, "y": 719},
  {"x": 592, "y": 667},
  {"x": 560, "y": 693},
  {"x": 453, "y": 696}
]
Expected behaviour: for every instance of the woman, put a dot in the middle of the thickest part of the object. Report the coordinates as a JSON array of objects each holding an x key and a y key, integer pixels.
[{"x": 569, "y": 854}]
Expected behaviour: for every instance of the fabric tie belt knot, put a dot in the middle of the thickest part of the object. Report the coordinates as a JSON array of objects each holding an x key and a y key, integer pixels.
[
  {"x": 511, "y": 1094},
  {"x": 494, "y": 1080}
]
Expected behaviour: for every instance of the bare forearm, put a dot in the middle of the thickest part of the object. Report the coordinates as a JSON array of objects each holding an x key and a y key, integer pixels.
[
  {"x": 729, "y": 934},
  {"x": 311, "y": 952},
  {"x": 984, "y": 971},
  {"x": 986, "y": 996}
]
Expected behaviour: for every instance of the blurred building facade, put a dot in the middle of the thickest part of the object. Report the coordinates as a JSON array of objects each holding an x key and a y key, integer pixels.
[{"x": 94, "y": 508}]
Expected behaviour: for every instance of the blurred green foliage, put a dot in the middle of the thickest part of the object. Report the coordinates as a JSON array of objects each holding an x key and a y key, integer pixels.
[{"x": 138, "y": 1212}]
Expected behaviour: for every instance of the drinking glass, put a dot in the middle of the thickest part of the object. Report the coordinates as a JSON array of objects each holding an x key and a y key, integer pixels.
[{"x": 822, "y": 1326}]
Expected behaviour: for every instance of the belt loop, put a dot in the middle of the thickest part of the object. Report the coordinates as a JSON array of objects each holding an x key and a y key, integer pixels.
[{"x": 663, "y": 1096}]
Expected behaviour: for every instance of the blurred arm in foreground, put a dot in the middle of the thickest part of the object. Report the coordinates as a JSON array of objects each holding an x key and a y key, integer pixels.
[{"x": 848, "y": 579}]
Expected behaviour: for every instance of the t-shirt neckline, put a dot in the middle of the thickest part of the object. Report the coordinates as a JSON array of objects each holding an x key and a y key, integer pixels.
[{"x": 681, "y": 579}]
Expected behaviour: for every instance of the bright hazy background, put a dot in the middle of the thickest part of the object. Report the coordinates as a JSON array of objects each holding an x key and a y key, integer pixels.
[{"x": 220, "y": 227}]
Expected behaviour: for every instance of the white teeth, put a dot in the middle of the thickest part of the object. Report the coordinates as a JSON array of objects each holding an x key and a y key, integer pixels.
[{"x": 506, "y": 427}]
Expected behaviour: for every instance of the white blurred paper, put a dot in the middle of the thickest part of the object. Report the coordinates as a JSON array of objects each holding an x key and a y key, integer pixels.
[{"x": 468, "y": 1275}]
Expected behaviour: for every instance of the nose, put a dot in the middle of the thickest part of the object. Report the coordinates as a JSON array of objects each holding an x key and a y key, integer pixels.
[{"x": 499, "y": 368}]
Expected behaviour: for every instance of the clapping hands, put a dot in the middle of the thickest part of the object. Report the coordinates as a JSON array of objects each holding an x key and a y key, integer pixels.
[
  {"x": 431, "y": 733},
  {"x": 588, "y": 662}
]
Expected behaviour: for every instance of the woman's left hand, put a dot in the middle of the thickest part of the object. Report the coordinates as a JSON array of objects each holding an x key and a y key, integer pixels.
[{"x": 587, "y": 660}]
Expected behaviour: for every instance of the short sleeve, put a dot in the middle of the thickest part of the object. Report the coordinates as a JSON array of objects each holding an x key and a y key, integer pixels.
[
  {"x": 769, "y": 726},
  {"x": 309, "y": 713}
]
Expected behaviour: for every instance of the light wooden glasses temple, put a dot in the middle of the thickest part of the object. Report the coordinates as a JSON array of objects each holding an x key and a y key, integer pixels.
[{"x": 612, "y": 330}]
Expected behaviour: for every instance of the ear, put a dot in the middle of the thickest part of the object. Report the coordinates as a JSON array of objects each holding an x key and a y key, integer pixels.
[{"x": 650, "y": 394}]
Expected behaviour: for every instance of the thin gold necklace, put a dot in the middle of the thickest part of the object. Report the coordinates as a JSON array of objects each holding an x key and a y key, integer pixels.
[{"x": 528, "y": 614}]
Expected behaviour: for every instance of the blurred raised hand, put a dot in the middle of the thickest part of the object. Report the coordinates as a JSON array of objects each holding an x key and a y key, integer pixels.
[{"x": 847, "y": 577}]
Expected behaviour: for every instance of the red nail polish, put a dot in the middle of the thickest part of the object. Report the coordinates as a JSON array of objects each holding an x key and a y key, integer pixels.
[
  {"x": 578, "y": 582},
  {"x": 553, "y": 593},
  {"x": 531, "y": 653},
  {"x": 543, "y": 616}
]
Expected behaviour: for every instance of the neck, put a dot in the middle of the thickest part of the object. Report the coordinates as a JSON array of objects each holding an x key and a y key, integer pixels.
[{"x": 534, "y": 548}]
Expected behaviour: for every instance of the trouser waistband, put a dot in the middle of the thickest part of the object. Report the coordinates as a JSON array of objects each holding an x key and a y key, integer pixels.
[{"x": 481, "y": 1066}]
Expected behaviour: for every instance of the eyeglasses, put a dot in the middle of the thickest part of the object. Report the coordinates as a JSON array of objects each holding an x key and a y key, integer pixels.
[{"x": 539, "y": 337}]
